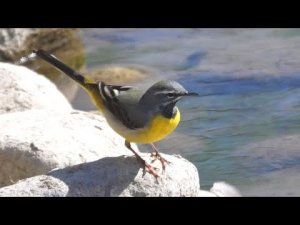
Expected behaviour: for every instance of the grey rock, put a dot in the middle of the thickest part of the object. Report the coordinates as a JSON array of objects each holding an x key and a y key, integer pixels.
[
  {"x": 36, "y": 141},
  {"x": 112, "y": 176},
  {"x": 204, "y": 193},
  {"x": 39, "y": 186},
  {"x": 22, "y": 89},
  {"x": 223, "y": 189}
]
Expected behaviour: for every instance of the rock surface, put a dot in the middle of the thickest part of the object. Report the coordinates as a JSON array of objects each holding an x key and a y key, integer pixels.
[
  {"x": 223, "y": 189},
  {"x": 22, "y": 89},
  {"x": 204, "y": 193},
  {"x": 39, "y": 186},
  {"x": 37, "y": 141},
  {"x": 112, "y": 176}
]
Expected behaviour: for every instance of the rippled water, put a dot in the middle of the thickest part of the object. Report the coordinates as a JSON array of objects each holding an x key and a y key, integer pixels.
[{"x": 246, "y": 131}]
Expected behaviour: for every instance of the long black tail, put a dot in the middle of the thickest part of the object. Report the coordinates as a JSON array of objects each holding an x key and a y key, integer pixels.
[{"x": 61, "y": 66}]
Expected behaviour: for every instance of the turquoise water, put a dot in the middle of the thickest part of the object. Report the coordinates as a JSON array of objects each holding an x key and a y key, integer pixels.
[{"x": 252, "y": 77}]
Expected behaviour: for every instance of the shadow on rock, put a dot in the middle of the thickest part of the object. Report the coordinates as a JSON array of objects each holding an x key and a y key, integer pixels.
[{"x": 105, "y": 177}]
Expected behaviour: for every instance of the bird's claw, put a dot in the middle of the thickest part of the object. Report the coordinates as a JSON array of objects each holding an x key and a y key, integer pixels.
[
  {"x": 156, "y": 155},
  {"x": 150, "y": 169}
]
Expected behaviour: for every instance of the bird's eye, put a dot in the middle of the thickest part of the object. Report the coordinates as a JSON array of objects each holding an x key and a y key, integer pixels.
[{"x": 170, "y": 95}]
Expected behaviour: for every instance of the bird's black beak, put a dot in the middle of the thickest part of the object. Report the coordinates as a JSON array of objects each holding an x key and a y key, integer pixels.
[
  {"x": 191, "y": 94},
  {"x": 183, "y": 94}
]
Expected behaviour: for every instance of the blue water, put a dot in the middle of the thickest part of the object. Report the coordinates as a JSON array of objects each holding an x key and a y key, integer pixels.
[
  {"x": 249, "y": 80},
  {"x": 241, "y": 112}
]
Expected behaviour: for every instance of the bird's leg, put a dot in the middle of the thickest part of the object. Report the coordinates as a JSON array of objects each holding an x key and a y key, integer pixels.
[
  {"x": 147, "y": 167},
  {"x": 156, "y": 155}
]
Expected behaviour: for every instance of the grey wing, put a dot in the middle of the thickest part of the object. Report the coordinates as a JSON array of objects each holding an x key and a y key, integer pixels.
[{"x": 122, "y": 102}]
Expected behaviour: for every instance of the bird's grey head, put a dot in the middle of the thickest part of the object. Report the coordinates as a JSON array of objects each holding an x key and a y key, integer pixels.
[{"x": 163, "y": 96}]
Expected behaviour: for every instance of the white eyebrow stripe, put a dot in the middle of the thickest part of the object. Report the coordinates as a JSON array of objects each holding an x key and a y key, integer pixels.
[{"x": 165, "y": 92}]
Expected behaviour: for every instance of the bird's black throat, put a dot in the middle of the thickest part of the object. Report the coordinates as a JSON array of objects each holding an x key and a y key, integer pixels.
[{"x": 169, "y": 110}]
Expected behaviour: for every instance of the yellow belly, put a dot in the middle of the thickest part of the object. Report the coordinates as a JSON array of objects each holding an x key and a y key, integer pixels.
[{"x": 158, "y": 129}]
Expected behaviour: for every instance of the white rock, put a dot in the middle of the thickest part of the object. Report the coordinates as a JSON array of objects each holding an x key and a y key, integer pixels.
[
  {"x": 36, "y": 141},
  {"x": 223, "y": 189},
  {"x": 22, "y": 89},
  {"x": 204, "y": 193},
  {"x": 39, "y": 186},
  {"x": 112, "y": 176}
]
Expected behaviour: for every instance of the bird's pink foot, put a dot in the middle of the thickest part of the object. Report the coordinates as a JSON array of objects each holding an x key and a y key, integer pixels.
[
  {"x": 156, "y": 155},
  {"x": 147, "y": 167}
]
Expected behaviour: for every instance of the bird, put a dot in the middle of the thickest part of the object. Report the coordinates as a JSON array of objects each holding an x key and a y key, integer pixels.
[{"x": 139, "y": 116}]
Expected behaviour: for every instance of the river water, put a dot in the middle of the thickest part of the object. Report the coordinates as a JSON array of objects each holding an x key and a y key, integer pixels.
[{"x": 246, "y": 131}]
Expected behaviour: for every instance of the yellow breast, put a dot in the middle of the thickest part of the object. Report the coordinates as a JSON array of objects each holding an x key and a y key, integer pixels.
[{"x": 157, "y": 129}]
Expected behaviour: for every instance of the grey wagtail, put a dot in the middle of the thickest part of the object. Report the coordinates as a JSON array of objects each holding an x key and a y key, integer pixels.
[{"x": 139, "y": 116}]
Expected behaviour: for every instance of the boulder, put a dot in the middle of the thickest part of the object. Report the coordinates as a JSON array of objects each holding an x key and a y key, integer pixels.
[
  {"x": 223, "y": 189},
  {"x": 22, "y": 89},
  {"x": 37, "y": 141},
  {"x": 112, "y": 176},
  {"x": 204, "y": 193},
  {"x": 39, "y": 186},
  {"x": 220, "y": 189}
]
